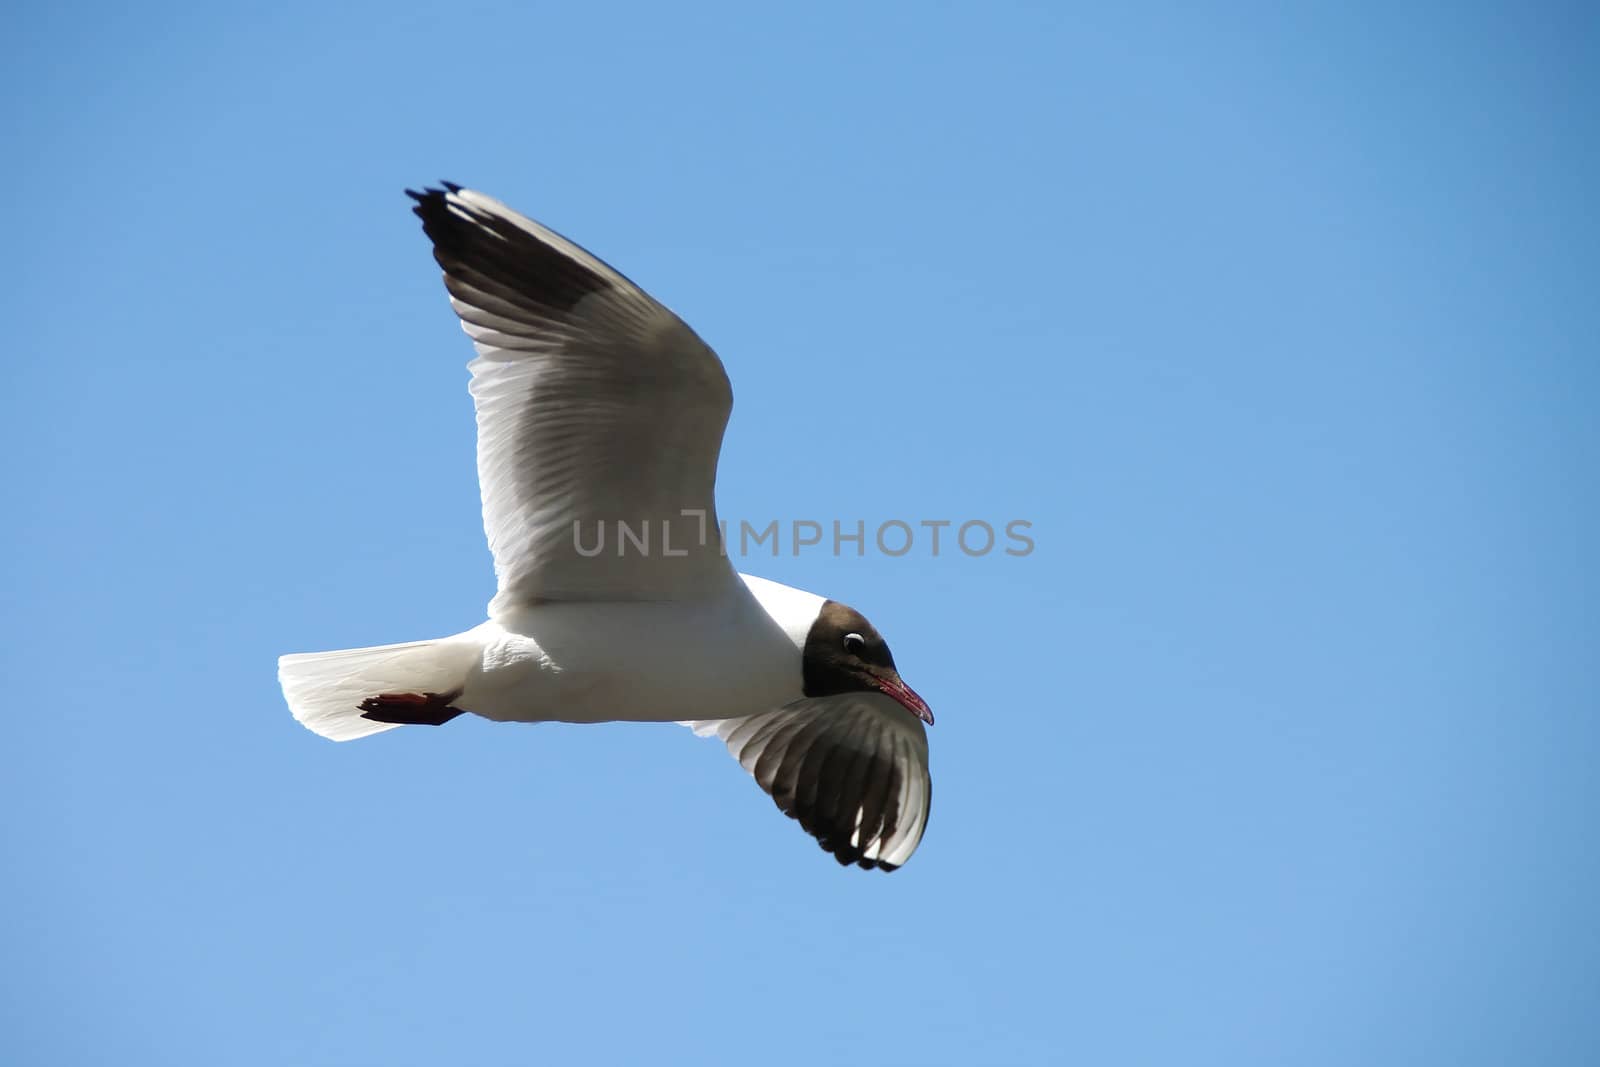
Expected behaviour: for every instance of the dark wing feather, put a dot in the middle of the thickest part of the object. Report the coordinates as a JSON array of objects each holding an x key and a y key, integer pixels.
[{"x": 851, "y": 769}]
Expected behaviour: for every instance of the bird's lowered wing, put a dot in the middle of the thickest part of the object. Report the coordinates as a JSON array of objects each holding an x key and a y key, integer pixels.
[{"x": 852, "y": 769}]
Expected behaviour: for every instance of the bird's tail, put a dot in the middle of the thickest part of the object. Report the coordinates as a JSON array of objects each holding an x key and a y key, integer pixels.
[{"x": 331, "y": 693}]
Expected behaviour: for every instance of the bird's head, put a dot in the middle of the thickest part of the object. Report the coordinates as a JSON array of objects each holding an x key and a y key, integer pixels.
[{"x": 844, "y": 653}]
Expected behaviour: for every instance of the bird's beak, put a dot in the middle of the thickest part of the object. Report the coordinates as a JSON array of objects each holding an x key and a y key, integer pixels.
[{"x": 891, "y": 684}]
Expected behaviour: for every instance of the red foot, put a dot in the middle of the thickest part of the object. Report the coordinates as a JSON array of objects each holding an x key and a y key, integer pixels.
[{"x": 411, "y": 709}]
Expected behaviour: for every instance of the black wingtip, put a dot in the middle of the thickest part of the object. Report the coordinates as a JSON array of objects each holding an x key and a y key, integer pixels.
[
  {"x": 431, "y": 203},
  {"x": 847, "y": 855},
  {"x": 429, "y": 193}
]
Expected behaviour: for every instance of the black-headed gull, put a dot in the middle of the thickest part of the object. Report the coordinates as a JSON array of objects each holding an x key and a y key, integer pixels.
[{"x": 601, "y": 413}]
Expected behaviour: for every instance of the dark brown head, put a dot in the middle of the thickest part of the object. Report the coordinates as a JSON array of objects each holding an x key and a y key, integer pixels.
[{"x": 844, "y": 653}]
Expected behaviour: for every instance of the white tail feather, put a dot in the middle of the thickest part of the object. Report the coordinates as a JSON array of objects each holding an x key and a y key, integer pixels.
[{"x": 325, "y": 689}]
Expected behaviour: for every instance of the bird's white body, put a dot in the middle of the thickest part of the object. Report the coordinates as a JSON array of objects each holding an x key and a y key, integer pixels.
[
  {"x": 721, "y": 657},
  {"x": 647, "y": 661}
]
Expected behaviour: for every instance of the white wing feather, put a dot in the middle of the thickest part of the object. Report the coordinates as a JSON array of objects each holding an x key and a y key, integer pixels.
[{"x": 596, "y": 406}]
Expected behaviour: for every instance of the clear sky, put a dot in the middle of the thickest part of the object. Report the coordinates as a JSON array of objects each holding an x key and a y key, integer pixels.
[{"x": 1280, "y": 328}]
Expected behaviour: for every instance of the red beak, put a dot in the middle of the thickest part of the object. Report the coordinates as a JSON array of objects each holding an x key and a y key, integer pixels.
[{"x": 907, "y": 697}]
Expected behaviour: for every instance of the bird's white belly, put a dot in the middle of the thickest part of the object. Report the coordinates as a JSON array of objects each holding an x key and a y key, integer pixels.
[{"x": 644, "y": 662}]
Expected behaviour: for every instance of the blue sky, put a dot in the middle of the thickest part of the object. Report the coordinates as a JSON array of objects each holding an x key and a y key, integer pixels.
[{"x": 1279, "y": 327}]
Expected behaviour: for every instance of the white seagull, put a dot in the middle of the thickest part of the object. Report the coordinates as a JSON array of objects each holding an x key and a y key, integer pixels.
[{"x": 600, "y": 411}]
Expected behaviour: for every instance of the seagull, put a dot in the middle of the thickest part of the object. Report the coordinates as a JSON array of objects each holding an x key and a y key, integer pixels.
[{"x": 599, "y": 413}]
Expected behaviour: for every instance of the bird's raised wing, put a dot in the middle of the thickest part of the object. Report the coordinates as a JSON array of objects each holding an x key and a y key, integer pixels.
[
  {"x": 853, "y": 769},
  {"x": 596, "y": 407}
]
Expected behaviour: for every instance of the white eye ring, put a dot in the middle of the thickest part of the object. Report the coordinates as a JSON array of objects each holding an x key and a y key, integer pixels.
[{"x": 854, "y": 642}]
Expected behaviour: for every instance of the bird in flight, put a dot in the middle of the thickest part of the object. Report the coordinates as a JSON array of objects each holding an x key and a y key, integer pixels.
[{"x": 601, "y": 413}]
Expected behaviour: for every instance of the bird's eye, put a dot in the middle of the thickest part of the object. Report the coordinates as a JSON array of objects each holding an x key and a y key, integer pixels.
[{"x": 854, "y": 643}]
